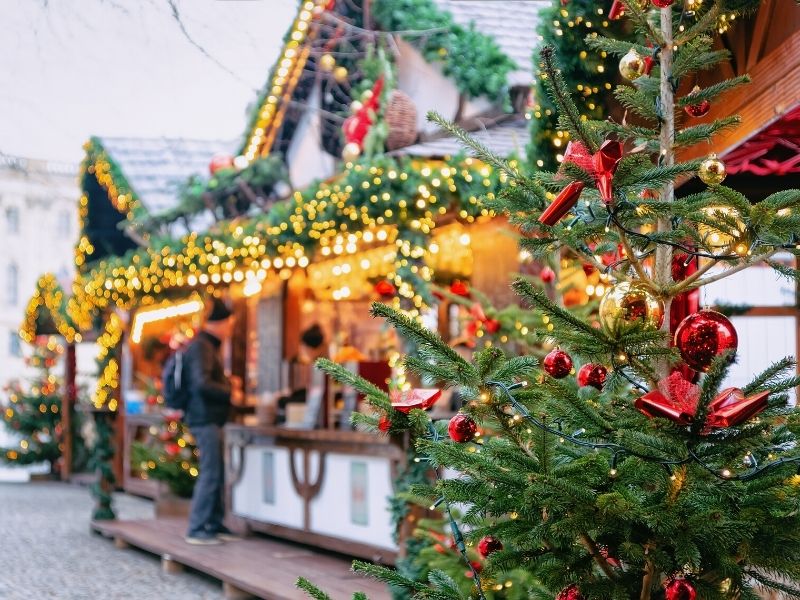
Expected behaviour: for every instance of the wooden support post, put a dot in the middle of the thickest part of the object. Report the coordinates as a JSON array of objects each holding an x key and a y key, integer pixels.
[
  {"x": 170, "y": 566},
  {"x": 67, "y": 406},
  {"x": 231, "y": 592}
]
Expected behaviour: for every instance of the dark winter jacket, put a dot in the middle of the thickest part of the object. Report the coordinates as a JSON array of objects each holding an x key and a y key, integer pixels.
[{"x": 209, "y": 389}]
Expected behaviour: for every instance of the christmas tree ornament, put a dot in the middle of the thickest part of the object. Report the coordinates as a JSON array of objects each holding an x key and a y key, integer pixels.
[
  {"x": 384, "y": 423},
  {"x": 571, "y": 592},
  {"x": 385, "y": 289},
  {"x": 340, "y": 74},
  {"x": 618, "y": 7},
  {"x": 588, "y": 268},
  {"x": 562, "y": 204},
  {"x": 547, "y": 275},
  {"x": 462, "y": 428},
  {"x": 489, "y": 544},
  {"x": 675, "y": 399},
  {"x": 605, "y": 162},
  {"x": 351, "y": 152},
  {"x": 696, "y": 109},
  {"x": 220, "y": 162},
  {"x": 404, "y": 401},
  {"x": 678, "y": 588},
  {"x": 712, "y": 170},
  {"x": 356, "y": 106},
  {"x": 632, "y": 65},
  {"x": 730, "y": 407},
  {"x": 593, "y": 375},
  {"x": 459, "y": 288},
  {"x": 557, "y": 364},
  {"x": 703, "y": 336},
  {"x": 327, "y": 62},
  {"x": 663, "y": 3},
  {"x": 627, "y": 305}
]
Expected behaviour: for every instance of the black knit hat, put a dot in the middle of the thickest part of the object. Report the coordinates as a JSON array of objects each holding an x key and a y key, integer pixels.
[
  {"x": 219, "y": 310},
  {"x": 313, "y": 337}
]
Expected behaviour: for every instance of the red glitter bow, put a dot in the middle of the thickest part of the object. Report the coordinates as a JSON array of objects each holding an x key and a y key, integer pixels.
[
  {"x": 416, "y": 398},
  {"x": 676, "y": 399},
  {"x": 602, "y": 165}
]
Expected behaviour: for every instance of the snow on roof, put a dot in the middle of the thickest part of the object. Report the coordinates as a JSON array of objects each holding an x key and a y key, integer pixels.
[{"x": 506, "y": 139}]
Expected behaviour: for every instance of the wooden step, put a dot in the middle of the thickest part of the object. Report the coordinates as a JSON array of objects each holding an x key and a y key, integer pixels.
[{"x": 255, "y": 566}]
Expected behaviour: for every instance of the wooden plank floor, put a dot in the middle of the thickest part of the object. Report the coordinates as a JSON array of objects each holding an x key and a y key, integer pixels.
[{"x": 261, "y": 566}]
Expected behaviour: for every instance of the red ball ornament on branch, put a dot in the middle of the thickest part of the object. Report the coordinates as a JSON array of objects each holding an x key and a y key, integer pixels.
[
  {"x": 663, "y": 3},
  {"x": 557, "y": 364},
  {"x": 679, "y": 588},
  {"x": 697, "y": 109},
  {"x": 593, "y": 375},
  {"x": 703, "y": 336},
  {"x": 462, "y": 428},
  {"x": 220, "y": 162},
  {"x": 384, "y": 423},
  {"x": 547, "y": 275},
  {"x": 571, "y": 592},
  {"x": 385, "y": 289},
  {"x": 489, "y": 544},
  {"x": 459, "y": 288}
]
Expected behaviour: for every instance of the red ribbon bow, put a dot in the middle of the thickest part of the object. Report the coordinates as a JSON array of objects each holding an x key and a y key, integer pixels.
[
  {"x": 416, "y": 398},
  {"x": 356, "y": 127},
  {"x": 602, "y": 165},
  {"x": 676, "y": 399}
]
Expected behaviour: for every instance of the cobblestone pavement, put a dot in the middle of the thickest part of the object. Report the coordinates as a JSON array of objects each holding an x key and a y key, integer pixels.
[{"x": 50, "y": 554}]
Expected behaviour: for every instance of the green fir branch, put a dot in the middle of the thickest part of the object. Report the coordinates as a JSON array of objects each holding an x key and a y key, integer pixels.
[
  {"x": 310, "y": 589},
  {"x": 713, "y": 91}
]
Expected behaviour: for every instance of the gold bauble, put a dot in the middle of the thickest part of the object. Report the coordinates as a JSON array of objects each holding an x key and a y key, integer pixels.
[
  {"x": 632, "y": 65},
  {"x": 732, "y": 238},
  {"x": 340, "y": 74},
  {"x": 327, "y": 62},
  {"x": 628, "y": 305},
  {"x": 712, "y": 170},
  {"x": 351, "y": 151}
]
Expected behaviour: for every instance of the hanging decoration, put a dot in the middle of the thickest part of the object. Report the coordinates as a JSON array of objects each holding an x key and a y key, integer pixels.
[
  {"x": 462, "y": 428},
  {"x": 593, "y": 375},
  {"x": 696, "y": 109},
  {"x": 385, "y": 289},
  {"x": 220, "y": 162},
  {"x": 712, "y": 170},
  {"x": 601, "y": 165},
  {"x": 632, "y": 65},
  {"x": 404, "y": 401},
  {"x": 557, "y": 364},
  {"x": 571, "y": 592},
  {"x": 626, "y": 306},
  {"x": 678, "y": 588},
  {"x": 488, "y": 545},
  {"x": 356, "y": 127},
  {"x": 703, "y": 336}
]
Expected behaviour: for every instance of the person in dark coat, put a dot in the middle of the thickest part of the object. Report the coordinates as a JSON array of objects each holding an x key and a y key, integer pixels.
[{"x": 210, "y": 394}]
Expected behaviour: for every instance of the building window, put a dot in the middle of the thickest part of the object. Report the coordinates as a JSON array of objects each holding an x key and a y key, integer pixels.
[
  {"x": 14, "y": 346},
  {"x": 12, "y": 219},
  {"x": 64, "y": 224},
  {"x": 12, "y": 285}
]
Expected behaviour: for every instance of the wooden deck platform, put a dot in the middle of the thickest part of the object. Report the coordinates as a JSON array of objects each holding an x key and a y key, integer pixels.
[{"x": 254, "y": 566}]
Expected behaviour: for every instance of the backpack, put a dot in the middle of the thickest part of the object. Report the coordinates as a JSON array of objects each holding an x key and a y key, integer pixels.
[{"x": 176, "y": 394}]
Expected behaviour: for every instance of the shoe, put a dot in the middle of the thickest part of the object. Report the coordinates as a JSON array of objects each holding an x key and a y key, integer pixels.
[
  {"x": 203, "y": 539},
  {"x": 226, "y": 535}
]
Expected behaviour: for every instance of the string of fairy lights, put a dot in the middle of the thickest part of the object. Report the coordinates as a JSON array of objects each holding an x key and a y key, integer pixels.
[{"x": 48, "y": 296}]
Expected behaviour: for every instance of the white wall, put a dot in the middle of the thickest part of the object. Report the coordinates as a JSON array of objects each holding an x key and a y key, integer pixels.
[
  {"x": 306, "y": 158},
  {"x": 44, "y": 196}
]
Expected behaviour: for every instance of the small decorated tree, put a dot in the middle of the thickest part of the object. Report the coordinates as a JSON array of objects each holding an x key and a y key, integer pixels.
[{"x": 168, "y": 454}]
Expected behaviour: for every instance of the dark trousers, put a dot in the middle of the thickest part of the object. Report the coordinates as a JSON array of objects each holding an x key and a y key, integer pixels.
[{"x": 207, "y": 500}]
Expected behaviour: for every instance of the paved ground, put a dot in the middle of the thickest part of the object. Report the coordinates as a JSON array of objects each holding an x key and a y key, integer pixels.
[{"x": 50, "y": 554}]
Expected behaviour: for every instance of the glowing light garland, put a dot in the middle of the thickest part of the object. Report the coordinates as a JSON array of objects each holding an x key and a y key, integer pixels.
[{"x": 50, "y": 297}]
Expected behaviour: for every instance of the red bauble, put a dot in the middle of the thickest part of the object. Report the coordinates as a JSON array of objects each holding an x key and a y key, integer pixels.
[
  {"x": 557, "y": 363},
  {"x": 459, "y": 288},
  {"x": 547, "y": 275},
  {"x": 662, "y": 3},
  {"x": 593, "y": 375},
  {"x": 588, "y": 268},
  {"x": 385, "y": 289},
  {"x": 172, "y": 449},
  {"x": 698, "y": 110},
  {"x": 679, "y": 589},
  {"x": 219, "y": 162},
  {"x": 571, "y": 592},
  {"x": 491, "y": 325},
  {"x": 489, "y": 544},
  {"x": 384, "y": 423},
  {"x": 702, "y": 336},
  {"x": 462, "y": 428}
]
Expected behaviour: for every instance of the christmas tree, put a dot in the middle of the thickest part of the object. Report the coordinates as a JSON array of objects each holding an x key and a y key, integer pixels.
[
  {"x": 621, "y": 465},
  {"x": 168, "y": 454},
  {"x": 33, "y": 415}
]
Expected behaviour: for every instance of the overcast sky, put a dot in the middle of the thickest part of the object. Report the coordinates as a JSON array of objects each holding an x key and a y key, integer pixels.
[{"x": 74, "y": 68}]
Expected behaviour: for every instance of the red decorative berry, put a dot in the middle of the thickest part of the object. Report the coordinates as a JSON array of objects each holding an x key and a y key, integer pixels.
[
  {"x": 462, "y": 428},
  {"x": 489, "y": 544},
  {"x": 593, "y": 375},
  {"x": 662, "y": 3},
  {"x": 588, "y": 268},
  {"x": 384, "y": 423},
  {"x": 547, "y": 275},
  {"x": 557, "y": 363},
  {"x": 571, "y": 592},
  {"x": 679, "y": 588}
]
